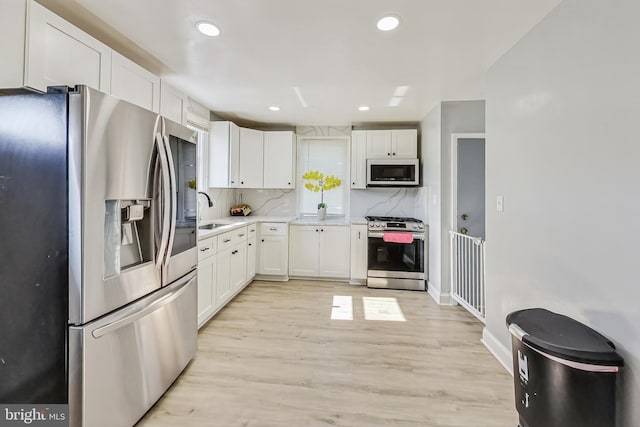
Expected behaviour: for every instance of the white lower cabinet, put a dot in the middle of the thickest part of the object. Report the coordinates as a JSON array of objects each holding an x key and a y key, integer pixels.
[
  {"x": 319, "y": 251},
  {"x": 223, "y": 277},
  {"x": 238, "y": 264},
  {"x": 252, "y": 252},
  {"x": 358, "y": 252},
  {"x": 207, "y": 279},
  {"x": 273, "y": 252}
]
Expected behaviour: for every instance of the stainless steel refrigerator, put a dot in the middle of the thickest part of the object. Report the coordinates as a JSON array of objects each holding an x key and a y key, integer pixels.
[{"x": 97, "y": 254}]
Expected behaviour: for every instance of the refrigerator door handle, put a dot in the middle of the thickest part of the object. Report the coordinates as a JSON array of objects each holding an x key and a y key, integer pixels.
[
  {"x": 155, "y": 305},
  {"x": 173, "y": 193},
  {"x": 165, "y": 205}
]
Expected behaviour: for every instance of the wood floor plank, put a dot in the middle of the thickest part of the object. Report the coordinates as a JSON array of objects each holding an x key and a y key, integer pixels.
[{"x": 274, "y": 357}]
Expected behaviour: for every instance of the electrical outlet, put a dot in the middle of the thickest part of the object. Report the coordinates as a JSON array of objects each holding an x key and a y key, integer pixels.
[{"x": 500, "y": 203}]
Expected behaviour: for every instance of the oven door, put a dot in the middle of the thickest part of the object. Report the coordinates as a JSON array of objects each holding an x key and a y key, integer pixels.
[{"x": 397, "y": 260}]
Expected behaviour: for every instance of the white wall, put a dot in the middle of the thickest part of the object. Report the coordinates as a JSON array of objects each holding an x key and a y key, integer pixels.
[
  {"x": 447, "y": 118},
  {"x": 430, "y": 153},
  {"x": 562, "y": 148}
]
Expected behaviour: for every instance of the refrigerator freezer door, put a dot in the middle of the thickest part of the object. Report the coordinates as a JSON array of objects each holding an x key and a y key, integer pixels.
[
  {"x": 33, "y": 248},
  {"x": 112, "y": 157},
  {"x": 121, "y": 364}
]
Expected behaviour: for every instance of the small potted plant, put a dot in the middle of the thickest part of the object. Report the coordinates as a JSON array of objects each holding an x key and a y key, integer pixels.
[{"x": 316, "y": 181}]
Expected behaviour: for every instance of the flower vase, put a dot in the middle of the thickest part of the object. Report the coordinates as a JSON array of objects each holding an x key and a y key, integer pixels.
[{"x": 322, "y": 213}]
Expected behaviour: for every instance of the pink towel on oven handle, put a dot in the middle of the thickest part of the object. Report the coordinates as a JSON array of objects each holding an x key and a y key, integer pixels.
[{"x": 398, "y": 237}]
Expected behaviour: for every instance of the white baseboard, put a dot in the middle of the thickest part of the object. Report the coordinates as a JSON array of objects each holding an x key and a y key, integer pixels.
[
  {"x": 435, "y": 293},
  {"x": 499, "y": 351},
  {"x": 438, "y": 297}
]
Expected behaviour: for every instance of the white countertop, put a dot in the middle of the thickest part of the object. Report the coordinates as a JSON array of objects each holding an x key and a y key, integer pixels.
[{"x": 233, "y": 222}]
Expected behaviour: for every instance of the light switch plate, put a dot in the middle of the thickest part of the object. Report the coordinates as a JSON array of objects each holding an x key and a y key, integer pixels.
[{"x": 500, "y": 203}]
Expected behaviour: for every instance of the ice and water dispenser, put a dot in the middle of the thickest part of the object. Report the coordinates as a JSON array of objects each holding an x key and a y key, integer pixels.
[{"x": 128, "y": 235}]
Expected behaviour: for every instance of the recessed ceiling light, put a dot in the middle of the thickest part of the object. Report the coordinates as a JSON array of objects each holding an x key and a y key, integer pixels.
[
  {"x": 274, "y": 108},
  {"x": 363, "y": 108},
  {"x": 207, "y": 28},
  {"x": 388, "y": 23}
]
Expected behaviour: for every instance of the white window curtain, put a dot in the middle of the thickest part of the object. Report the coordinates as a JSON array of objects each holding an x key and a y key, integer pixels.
[{"x": 329, "y": 156}]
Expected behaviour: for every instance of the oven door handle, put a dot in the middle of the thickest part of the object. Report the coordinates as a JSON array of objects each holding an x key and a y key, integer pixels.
[{"x": 380, "y": 234}]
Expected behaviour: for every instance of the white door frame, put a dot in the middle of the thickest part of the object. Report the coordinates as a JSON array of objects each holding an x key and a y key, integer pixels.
[{"x": 455, "y": 137}]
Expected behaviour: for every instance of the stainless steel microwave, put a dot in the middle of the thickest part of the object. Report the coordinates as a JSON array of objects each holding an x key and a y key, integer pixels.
[{"x": 393, "y": 172}]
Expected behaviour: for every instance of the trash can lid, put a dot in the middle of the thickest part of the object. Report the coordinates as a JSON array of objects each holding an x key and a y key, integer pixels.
[{"x": 564, "y": 337}]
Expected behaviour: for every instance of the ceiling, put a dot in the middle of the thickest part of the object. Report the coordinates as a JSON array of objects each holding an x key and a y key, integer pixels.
[{"x": 317, "y": 60}]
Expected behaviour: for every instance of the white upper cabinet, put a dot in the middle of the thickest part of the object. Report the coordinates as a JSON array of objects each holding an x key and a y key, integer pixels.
[
  {"x": 392, "y": 144},
  {"x": 224, "y": 155},
  {"x": 173, "y": 103},
  {"x": 251, "y": 158},
  {"x": 404, "y": 143},
  {"x": 60, "y": 54},
  {"x": 358, "y": 159},
  {"x": 13, "y": 22},
  {"x": 279, "y": 159},
  {"x": 197, "y": 115},
  {"x": 378, "y": 144},
  {"x": 132, "y": 83}
]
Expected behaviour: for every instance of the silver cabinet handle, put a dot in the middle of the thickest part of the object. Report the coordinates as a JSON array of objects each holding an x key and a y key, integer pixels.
[
  {"x": 358, "y": 235},
  {"x": 241, "y": 235},
  {"x": 204, "y": 249},
  {"x": 252, "y": 231},
  {"x": 273, "y": 229},
  {"x": 226, "y": 240}
]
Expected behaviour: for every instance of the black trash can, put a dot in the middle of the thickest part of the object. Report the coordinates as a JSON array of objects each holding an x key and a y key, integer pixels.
[{"x": 564, "y": 372}]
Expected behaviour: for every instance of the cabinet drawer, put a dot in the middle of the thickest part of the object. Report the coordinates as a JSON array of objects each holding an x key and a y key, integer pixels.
[
  {"x": 207, "y": 247},
  {"x": 230, "y": 238},
  {"x": 273, "y": 229}
]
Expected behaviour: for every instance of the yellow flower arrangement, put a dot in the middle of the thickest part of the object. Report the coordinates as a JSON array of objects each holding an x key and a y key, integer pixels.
[{"x": 317, "y": 181}]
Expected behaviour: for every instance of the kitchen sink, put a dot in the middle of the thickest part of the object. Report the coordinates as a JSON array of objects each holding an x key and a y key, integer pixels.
[{"x": 210, "y": 226}]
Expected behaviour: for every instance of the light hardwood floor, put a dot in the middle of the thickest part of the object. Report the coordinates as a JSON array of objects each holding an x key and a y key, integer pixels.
[{"x": 273, "y": 357}]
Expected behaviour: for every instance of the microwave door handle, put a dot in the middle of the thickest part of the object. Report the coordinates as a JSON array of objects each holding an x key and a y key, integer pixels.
[
  {"x": 172, "y": 197},
  {"x": 164, "y": 198}
]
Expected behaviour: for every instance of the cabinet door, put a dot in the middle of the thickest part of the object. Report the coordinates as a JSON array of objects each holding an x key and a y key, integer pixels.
[
  {"x": 251, "y": 158},
  {"x": 279, "y": 159},
  {"x": 238, "y": 264},
  {"x": 223, "y": 277},
  {"x": 132, "y": 83},
  {"x": 358, "y": 159},
  {"x": 13, "y": 21},
  {"x": 378, "y": 144},
  {"x": 251, "y": 259},
  {"x": 334, "y": 252},
  {"x": 404, "y": 143},
  {"x": 303, "y": 250},
  {"x": 206, "y": 289},
  {"x": 273, "y": 255},
  {"x": 60, "y": 54},
  {"x": 224, "y": 154},
  {"x": 358, "y": 252},
  {"x": 173, "y": 103}
]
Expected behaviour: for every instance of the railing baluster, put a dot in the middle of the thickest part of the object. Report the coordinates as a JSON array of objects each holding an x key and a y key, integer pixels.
[{"x": 468, "y": 273}]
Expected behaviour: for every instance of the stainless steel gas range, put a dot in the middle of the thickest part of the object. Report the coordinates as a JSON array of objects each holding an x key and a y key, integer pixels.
[{"x": 396, "y": 252}]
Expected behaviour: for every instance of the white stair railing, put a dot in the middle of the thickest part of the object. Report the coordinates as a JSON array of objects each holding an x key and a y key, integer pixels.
[{"x": 467, "y": 273}]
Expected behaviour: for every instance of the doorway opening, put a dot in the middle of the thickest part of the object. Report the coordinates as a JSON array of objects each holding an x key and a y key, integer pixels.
[{"x": 467, "y": 221}]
